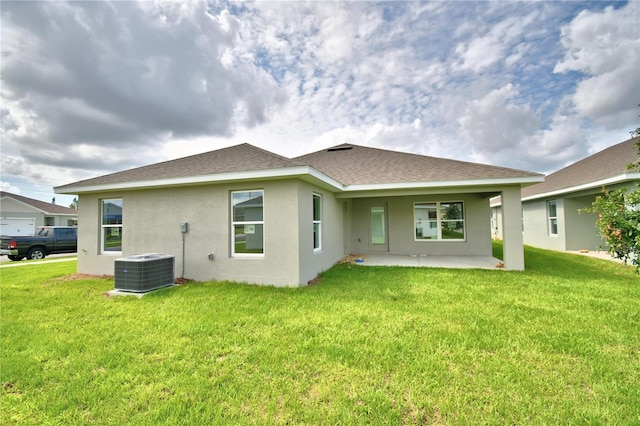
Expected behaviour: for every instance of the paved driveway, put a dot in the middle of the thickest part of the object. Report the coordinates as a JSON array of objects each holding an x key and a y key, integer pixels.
[{"x": 66, "y": 257}]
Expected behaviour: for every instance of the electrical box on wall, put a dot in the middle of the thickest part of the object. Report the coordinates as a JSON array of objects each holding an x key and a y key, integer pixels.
[{"x": 184, "y": 227}]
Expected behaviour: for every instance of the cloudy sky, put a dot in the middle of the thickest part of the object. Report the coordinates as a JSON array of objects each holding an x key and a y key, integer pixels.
[{"x": 90, "y": 88}]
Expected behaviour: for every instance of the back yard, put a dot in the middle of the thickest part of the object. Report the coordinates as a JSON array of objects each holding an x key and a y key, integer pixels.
[{"x": 557, "y": 344}]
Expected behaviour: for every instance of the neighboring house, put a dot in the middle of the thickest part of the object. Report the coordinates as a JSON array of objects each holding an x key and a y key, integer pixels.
[
  {"x": 254, "y": 216},
  {"x": 551, "y": 216},
  {"x": 22, "y": 215}
]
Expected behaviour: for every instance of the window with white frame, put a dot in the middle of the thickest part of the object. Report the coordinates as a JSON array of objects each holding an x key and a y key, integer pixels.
[
  {"x": 247, "y": 223},
  {"x": 111, "y": 225},
  {"x": 439, "y": 220},
  {"x": 317, "y": 222},
  {"x": 552, "y": 212}
]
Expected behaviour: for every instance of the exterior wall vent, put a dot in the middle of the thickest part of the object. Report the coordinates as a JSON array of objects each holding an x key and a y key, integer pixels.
[{"x": 144, "y": 272}]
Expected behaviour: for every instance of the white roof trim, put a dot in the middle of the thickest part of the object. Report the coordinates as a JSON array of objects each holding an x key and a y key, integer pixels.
[
  {"x": 298, "y": 171},
  {"x": 448, "y": 183},
  {"x": 204, "y": 179},
  {"x": 590, "y": 185}
]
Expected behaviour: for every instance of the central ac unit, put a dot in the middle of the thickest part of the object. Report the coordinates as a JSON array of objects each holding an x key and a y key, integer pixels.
[{"x": 144, "y": 272}]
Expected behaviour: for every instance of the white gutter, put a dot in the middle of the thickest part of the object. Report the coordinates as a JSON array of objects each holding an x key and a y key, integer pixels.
[
  {"x": 303, "y": 172},
  {"x": 199, "y": 180},
  {"x": 448, "y": 183}
]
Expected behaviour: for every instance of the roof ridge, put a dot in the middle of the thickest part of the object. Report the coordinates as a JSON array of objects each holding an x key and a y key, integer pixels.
[
  {"x": 415, "y": 155},
  {"x": 265, "y": 151},
  {"x": 185, "y": 158},
  {"x": 238, "y": 157},
  {"x": 356, "y": 165}
]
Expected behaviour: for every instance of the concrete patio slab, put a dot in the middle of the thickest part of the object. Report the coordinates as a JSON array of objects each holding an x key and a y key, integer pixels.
[
  {"x": 460, "y": 262},
  {"x": 116, "y": 292}
]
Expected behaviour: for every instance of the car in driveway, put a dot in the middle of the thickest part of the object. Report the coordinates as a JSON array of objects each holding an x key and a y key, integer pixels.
[{"x": 47, "y": 240}]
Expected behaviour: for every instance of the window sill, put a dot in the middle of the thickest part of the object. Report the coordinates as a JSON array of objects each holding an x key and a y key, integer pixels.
[{"x": 439, "y": 241}]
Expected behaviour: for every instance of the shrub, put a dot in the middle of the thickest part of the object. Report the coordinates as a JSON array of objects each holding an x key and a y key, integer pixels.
[{"x": 619, "y": 223}]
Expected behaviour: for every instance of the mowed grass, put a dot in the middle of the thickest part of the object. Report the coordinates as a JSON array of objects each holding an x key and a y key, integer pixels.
[{"x": 556, "y": 344}]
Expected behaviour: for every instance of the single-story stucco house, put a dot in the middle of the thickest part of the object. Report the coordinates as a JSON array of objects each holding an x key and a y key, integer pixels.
[
  {"x": 551, "y": 216},
  {"x": 21, "y": 215},
  {"x": 255, "y": 216}
]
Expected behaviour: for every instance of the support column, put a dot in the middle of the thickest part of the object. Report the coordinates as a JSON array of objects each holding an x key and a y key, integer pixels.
[{"x": 513, "y": 249}]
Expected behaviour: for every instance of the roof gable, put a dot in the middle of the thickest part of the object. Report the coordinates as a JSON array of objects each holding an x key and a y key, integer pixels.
[
  {"x": 609, "y": 163},
  {"x": 359, "y": 165},
  {"x": 41, "y": 206}
]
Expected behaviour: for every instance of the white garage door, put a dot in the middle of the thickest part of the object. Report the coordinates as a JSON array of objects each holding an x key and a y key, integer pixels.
[{"x": 17, "y": 226}]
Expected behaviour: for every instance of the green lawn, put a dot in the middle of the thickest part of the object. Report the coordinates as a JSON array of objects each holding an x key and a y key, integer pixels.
[{"x": 557, "y": 344}]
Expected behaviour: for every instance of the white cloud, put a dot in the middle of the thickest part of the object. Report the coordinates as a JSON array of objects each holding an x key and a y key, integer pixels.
[
  {"x": 90, "y": 83},
  {"x": 123, "y": 74},
  {"x": 7, "y": 187},
  {"x": 482, "y": 52},
  {"x": 605, "y": 47},
  {"x": 495, "y": 124}
]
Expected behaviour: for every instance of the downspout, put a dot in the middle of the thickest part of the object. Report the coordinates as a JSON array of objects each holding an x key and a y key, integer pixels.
[
  {"x": 184, "y": 227},
  {"x": 183, "y": 245}
]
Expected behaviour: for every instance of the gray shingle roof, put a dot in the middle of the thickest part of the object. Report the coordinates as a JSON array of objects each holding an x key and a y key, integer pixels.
[
  {"x": 238, "y": 158},
  {"x": 40, "y": 205},
  {"x": 608, "y": 163},
  {"x": 359, "y": 165},
  {"x": 347, "y": 164}
]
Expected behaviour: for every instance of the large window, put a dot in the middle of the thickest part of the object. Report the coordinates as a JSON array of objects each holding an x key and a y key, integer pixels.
[
  {"x": 439, "y": 220},
  {"x": 317, "y": 222},
  {"x": 247, "y": 223},
  {"x": 552, "y": 212},
  {"x": 111, "y": 224}
]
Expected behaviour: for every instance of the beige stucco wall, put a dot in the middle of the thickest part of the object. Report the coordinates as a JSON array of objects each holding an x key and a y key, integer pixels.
[
  {"x": 581, "y": 231},
  {"x": 401, "y": 226},
  {"x": 536, "y": 228},
  {"x": 576, "y": 230},
  {"x": 152, "y": 218},
  {"x": 512, "y": 240},
  {"x": 312, "y": 262}
]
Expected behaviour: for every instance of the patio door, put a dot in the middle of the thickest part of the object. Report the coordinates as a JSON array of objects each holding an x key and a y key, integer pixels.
[{"x": 378, "y": 228}]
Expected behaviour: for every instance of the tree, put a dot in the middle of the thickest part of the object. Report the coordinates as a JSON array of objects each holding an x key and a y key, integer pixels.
[
  {"x": 636, "y": 164},
  {"x": 619, "y": 223},
  {"x": 619, "y": 219}
]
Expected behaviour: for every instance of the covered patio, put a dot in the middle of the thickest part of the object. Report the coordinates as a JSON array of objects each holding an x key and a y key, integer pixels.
[{"x": 427, "y": 261}]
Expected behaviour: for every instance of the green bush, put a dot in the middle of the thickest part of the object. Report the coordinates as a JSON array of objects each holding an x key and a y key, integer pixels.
[{"x": 619, "y": 223}]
